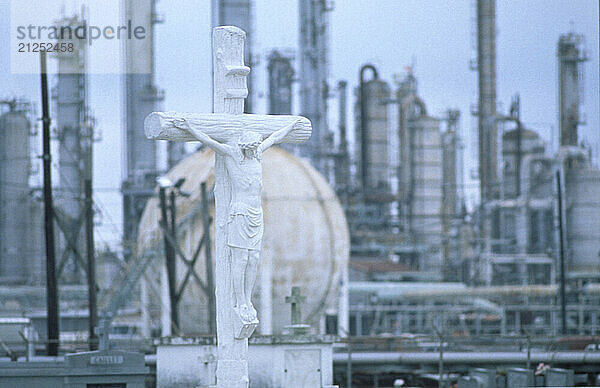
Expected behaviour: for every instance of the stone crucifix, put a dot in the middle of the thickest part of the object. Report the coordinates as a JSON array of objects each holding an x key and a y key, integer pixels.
[{"x": 238, "y": 141}]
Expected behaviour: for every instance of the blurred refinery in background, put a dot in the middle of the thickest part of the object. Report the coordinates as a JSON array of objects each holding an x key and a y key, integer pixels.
[{"x": 390, "y": 255}]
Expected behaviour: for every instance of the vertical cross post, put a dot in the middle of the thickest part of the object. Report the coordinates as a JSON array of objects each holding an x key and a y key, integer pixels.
[{"x": 229, "y": 91}]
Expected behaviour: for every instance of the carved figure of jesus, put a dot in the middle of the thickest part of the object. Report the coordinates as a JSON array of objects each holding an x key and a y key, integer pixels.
[{"x": 245, "y": 226}]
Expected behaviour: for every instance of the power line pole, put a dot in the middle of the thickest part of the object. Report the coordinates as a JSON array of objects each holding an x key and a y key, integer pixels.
[
  {"x": 563, "y": 298},
  {"x": 52, "y": 318},
  {"x": 210, "y": 282},
  {"x": 91, "y": 265}
]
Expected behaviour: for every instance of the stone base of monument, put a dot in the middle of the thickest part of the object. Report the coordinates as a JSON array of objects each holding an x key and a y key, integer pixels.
[
  {"x": 186, "y": 362},
  {"x": 299, "y": 361}
]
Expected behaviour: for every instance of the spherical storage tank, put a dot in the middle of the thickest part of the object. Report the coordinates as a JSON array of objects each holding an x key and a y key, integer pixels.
[{"x": 305, "y": 244}]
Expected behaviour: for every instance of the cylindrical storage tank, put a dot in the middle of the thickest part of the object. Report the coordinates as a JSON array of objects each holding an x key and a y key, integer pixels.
[
  {"x": 305, "y": 244},
  {"x": 583, "y": 219},
  {"x": 14, "y": 197}
]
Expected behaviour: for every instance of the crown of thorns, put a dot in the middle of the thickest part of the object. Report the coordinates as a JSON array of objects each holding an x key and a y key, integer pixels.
[{"x": 249, "y": 140}]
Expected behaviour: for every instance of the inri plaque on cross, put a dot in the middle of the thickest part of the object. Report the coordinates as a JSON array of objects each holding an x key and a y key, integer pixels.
[{"x": 238, "y": 141}]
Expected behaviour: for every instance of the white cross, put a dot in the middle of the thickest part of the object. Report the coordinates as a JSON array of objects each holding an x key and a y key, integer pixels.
[{"x": 238, "y": 141}]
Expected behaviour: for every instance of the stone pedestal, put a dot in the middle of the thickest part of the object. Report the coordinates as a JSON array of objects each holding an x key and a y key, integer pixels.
[
  {"x": 111, "y": 368},
  {"x": 299, "y": 361},
  {"x": 186, "y": 363}
]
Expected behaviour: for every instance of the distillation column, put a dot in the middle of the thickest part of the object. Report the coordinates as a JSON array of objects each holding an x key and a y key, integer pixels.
[
  {"x": 421, "y": 176},
  {"x": 451, "y": 198},
  {"x": 15, "y": 250},
  {"x": 314, "y": 71},
  {"x": 281, "y": 76},
  {"x": 486, "y": 67},
  {"x": 570, "y": 56},
  {"x": 342, "y": 161},
  {"x": 373, "y": 135},
  {"x": 141, "y": 98},
  {"x": 74, "y": 158}
]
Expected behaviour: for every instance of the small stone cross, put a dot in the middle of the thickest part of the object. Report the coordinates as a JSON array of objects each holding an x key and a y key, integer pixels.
[
  {"x": 103, "y": 333},
  {"x": 295, "y": 299}
]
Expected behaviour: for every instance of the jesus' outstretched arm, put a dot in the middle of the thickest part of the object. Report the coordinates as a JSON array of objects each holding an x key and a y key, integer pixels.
[
  {"x": 219, "y": 148},
  {"x": 276, "y": 137}
]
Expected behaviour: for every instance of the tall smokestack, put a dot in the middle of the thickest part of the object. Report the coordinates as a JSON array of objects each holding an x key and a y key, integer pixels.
[
  {"x": 570, "y": 55},
  {"x": 486, "y": 67},
  {"x": 342, "y": 166}
]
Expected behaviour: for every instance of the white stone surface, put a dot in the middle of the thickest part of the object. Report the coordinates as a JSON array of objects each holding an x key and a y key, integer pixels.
[
  {"x": 238, "y": 183},
  {"x": 185, "y": 365},
  {"x": 306, "y": 365},
  {"x": 272, "y": 364},
  {"x": 221, "y": 127}
]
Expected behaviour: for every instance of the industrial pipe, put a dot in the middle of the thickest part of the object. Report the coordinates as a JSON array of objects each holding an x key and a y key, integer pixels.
[
  {"x": 453, "y": 291},
  {"x": 538, "y": 290},
  {"x": 591, "y": 289},
  {"x": 468, "y": 357}
]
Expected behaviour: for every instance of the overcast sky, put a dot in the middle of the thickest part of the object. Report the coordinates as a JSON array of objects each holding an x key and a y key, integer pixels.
[{"x": 436, "y": 36}]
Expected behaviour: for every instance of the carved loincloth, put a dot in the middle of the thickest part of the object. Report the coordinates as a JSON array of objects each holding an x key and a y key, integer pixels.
[{"x": 245, "y": 226}]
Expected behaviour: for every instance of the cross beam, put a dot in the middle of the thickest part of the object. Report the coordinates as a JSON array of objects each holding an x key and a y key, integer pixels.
[{"x": 223, "y": 127}]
